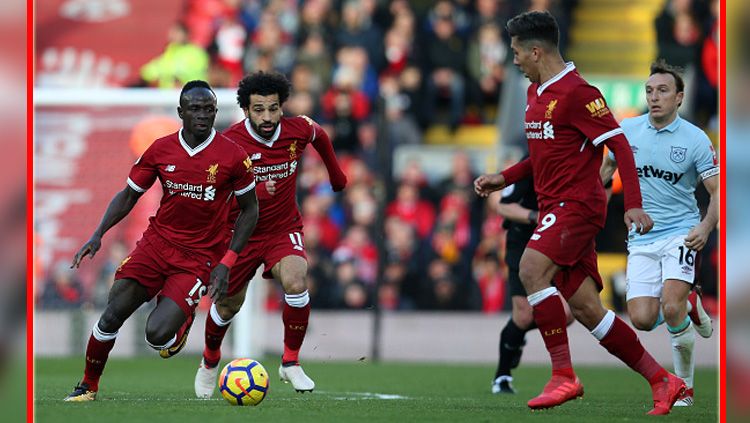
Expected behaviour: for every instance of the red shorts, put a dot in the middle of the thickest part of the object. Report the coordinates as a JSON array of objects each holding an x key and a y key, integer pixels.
[
  {"x": 267, "y": 250},
  {"x": 170, "y": 271},
  {"x": 566, "y": 234}
]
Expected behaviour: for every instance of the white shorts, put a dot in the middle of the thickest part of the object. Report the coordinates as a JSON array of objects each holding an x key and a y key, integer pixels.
[{"x": 651, "y": 264}]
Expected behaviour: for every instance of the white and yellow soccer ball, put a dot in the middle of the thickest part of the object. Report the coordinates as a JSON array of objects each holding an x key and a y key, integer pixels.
[{"x": 243, "y": 381}]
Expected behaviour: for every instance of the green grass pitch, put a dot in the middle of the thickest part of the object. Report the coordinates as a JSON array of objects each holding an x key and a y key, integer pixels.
[{"x": 153, "y": 389}]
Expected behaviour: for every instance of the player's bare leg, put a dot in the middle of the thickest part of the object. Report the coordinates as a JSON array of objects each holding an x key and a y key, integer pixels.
[
  {"x": 167, "y": 327},
  {"x": 682, "y": 333},
  {"x": 125, "y": 297},
  {"x": 645, "y": 312},
  {"x": 622, "y": 342},
  {"x": 536, "y": 271},
  {"x": 217, "y": 322},
  {"x": 291, "y": 272}
]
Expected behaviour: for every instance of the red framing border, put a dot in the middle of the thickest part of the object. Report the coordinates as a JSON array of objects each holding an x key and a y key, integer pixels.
[
  {"x": 722, "y": 216},
  {"x": 29, "y": 210}
]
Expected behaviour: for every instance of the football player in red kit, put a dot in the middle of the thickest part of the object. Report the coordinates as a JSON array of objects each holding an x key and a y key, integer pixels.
[
  {"x": 181, "y": 250},
  {"x": 275, "y": 144},
  {"x": 567, "y": 124}
]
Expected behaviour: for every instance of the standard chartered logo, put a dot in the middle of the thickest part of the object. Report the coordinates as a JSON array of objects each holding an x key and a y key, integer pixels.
[
  {"x": 209, "y": 194},
  {"x": 536, "y": 130},
  {"x": 188, "y": 190},
  {"x": 549, "y": 130}
]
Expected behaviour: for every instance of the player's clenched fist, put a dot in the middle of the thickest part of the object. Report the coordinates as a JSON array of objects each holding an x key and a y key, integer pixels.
[
  {"x": 486, "y": 184},
  {"x": 271, "y": 187}
]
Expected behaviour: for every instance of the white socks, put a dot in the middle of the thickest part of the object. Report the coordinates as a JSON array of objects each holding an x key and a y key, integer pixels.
[
  {"x": 602, "y": 329},
  {"x": 214, "y": 313},
  {"x": 542, "y": 295},
  {"x": 297, "y": 300},
  {"x": 101, "y": 336},
  {"x": 683, "y": 345}
]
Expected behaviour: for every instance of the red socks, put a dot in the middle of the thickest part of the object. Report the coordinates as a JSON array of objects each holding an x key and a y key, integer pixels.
[
  {"x": 622, "y": 342},
  {"x": 549, "y": 316},
  {"x": 216, "y": 329},
  {"x": 295, "y": 326},
  {"x": 97, "y": 352}
]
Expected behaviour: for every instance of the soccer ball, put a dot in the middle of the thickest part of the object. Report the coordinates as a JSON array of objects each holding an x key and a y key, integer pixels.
[{"x": 243, "y": 382}]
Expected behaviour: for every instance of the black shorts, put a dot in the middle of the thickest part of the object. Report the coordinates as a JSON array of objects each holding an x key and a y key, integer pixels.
[{"x": 515, "y": 287}]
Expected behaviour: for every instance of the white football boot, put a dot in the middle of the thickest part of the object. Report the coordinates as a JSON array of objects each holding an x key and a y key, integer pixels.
[
  {"x": 686, "y": 399},
  {"x": 297, "y": 377},
  {"x": 205, "y": 380}
]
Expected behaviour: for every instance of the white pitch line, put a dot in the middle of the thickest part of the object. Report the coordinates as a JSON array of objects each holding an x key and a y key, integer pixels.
[{"x": 362, "y": 395}]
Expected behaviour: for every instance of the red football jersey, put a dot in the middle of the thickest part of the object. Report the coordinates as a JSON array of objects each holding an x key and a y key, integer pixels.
[
  {"x": 276, "y": 159},
  {"x": 567, "y": 120},
  {"x": 197, "y": 186}
]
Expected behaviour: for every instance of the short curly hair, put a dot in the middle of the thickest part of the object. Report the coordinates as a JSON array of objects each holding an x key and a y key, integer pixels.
[
  {"x": 535, "y": 25},
  {"x": 263, "y": 83}
]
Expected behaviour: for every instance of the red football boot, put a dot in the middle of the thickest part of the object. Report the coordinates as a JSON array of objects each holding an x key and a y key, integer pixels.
[
  {"x": 666, "y": 393},
  {"x": 558, "y": 390}
]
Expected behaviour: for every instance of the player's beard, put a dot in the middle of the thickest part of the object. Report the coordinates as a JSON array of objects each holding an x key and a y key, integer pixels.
[{"x": 266, "y": 134}]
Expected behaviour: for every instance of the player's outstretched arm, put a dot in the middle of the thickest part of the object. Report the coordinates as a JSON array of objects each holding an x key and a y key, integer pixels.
[
  {"x": 243, "y": 228},
  {"x": 698, "y": 236},
  {"x": 122, "y": 203},
  {"x": 323, "y": 146},
  {"x": 634, "y": 213}
]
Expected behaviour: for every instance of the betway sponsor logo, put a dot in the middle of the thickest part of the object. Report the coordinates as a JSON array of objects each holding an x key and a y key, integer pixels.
[
  {"x": 275, "y": 171},
  {"x": 652, "y": 172},
  {"x": 536, "y": 130},
  {"x": 197, "y": 192}
]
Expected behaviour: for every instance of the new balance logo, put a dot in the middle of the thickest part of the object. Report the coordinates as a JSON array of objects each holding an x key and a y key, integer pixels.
[
  {"x": 170, "y": 168},
  {"x": 652, "y": 172},
  {"x": 210, "y": 193},
  {"x": 255, "y": 156}
]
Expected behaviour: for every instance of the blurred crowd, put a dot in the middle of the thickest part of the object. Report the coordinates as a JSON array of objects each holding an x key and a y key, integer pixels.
[
  {"x": 363, "y": 66},
  {"x": 687, "y": 36}
]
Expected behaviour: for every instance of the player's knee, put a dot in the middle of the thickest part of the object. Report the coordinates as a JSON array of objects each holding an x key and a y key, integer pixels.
[
  {"x": 641, "y": 321},
  {"x": 296, "y": 285},
  {"x": 672, "y": 310},
  {"x": 109, "y": 322},
  {"x": 229, "y": 310},
  {"x": 528, "y": 276},
  {"x": 524, "y": 319},
  {"x": 158, "y": 334}
]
